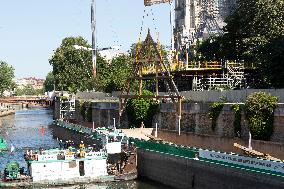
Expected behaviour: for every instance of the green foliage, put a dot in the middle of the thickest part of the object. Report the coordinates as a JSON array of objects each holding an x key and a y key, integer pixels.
[
  {"x": 28, "y": 90},
  {"x": 49, "y": 82},
  {"x": 141, "y": 110},
  {"x": 272, "y": 68},
  {"x": 6, "y": 77},
  {"x": 214, "y": 112},
  {"x": 63, "y": 99},
  {"x": 72, "y": 68},
  {"x": 259, "y": 110},
  {"x": 113, "y": 76},
  {"x": 254, "y": 33},
  {"x": 236, "y": 108}
]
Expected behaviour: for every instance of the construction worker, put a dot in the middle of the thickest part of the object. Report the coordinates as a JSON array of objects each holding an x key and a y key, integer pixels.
[{"x": 82, "y": 149}]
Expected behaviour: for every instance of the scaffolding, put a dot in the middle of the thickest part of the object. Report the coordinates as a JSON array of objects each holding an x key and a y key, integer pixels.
[
  {"x": 67, "y": 109},
  {"x": 232, "y": 77},
  {"x": 149, "y": 54}
]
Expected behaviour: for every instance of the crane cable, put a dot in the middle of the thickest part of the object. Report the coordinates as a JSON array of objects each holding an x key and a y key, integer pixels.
[
  {"x": 138, "y": 46},
  {"x": 111, "y": 21}
]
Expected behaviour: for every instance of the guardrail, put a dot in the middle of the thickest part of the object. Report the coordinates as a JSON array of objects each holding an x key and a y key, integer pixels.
[{"x": 74, "y": 127}]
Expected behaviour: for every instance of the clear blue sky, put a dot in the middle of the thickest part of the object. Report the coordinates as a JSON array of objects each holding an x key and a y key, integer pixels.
[{"x": 31, "y": 29}]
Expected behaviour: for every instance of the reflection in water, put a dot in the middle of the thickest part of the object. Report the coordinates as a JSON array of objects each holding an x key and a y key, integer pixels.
[{"x": 30, "y": 129}]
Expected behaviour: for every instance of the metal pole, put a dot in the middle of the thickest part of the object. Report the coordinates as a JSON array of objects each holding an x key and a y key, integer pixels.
[
  {"x": 93, "y": 25},
  {"x": 179, "y": 125},
  {"x": 249, "y": 146},
  {"x": 156, "y": 131},
  {"x": 114, "y": 123}
]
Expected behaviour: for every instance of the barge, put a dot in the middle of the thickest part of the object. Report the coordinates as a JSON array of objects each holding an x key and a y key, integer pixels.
[{"x": 113, "y": 160}]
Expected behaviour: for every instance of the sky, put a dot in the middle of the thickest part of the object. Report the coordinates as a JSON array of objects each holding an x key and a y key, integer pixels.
[{"x": 31, "y": 29}]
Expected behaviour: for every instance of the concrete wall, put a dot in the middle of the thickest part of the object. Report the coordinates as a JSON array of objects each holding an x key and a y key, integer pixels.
[
  {"x": 187, "y": 173},
  {"x": 195, "y": 96}
]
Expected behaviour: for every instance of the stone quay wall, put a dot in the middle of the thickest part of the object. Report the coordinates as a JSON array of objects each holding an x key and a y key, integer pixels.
[
  {"x": 178, "y": 172},
  {"x": 195, "y": 119}
]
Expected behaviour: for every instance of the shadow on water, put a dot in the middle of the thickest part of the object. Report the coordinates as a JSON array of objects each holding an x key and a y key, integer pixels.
[{"x": 32, "y": 129}]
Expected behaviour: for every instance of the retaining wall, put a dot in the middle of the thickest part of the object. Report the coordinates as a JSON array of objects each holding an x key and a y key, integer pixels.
[{"x": 182, "y": 173}]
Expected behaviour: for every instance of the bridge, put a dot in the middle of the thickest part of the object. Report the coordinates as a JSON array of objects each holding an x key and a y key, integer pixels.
[{"x": 28, "y": 100}]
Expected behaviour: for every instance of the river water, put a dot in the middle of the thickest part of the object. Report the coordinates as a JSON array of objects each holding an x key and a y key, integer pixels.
[{"x": 31, "y": 129}]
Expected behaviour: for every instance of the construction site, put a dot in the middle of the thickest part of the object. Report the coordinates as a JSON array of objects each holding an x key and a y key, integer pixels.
[{"x": 195, "y": 21}]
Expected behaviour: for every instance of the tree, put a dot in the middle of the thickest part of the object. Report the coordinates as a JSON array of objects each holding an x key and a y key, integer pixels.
[
  {"x": 259, "y": 111},
  {"x": 113, "y": 76},
  {"x": 254, "y": 33},
  {"x": 6, "y": 77},
  {"x": 141, "y": 110},
  {"x": 72, "y": 68},
  {"x": 272, "y": 68},
  {"x": 28, "y": 90},
  {"x": 49, "y": 82}
]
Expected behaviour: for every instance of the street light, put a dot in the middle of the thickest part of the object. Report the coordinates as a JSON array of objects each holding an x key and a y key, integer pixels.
[
  {"x": 94, "y": 51},
  {"x": 78, "y": 47}
]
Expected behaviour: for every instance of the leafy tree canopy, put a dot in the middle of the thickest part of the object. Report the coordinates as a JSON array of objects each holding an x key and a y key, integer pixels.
[
  {"x": 112, "y": 76},
  {"x": 28, "y": 90},
  {"x": 6, "y": 77},
  {"x": 72, "y": 68},
  {"x": 49, "y": 82},
  {"x": 254, "y": 33},
  {"x": 141, "y": 110}
]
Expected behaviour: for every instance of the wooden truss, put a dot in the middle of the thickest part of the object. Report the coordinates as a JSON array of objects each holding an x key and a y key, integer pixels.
[{"x": 149, "y": 53}]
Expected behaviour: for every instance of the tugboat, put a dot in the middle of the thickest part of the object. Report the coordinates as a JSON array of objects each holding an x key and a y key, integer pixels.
[{"x": 114, "y": 159}]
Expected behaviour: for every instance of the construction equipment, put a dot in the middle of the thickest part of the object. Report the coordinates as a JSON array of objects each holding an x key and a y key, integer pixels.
[{"x": 152, "y": 2}]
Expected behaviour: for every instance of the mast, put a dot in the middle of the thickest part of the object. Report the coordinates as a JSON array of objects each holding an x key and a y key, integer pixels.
[{"x": 94, "y": 46}]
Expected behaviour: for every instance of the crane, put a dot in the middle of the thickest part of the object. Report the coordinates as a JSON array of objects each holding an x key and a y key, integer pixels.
[{"x": 93, "y": 26}]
